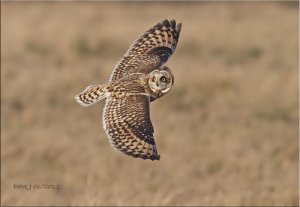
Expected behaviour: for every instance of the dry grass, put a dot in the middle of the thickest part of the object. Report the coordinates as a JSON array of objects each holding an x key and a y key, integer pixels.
[{"x": 227, "y": 133}]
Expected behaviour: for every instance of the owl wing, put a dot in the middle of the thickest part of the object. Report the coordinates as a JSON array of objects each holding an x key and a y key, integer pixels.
[
  {"x": 149, "y": 51},
  {"x": 128, "y": 126}
]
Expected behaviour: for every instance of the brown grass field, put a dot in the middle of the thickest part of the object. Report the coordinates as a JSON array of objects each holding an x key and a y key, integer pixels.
[{"x": 227, "y": 132}]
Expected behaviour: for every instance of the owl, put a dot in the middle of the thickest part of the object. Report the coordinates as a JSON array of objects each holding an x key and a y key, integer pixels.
[{"x": 138, "y": 79}]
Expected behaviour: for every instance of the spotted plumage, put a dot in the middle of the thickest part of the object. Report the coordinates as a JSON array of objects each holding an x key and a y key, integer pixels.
[
  {"x": 135, "y": 81},
  {"x": 150, "y": 51}
]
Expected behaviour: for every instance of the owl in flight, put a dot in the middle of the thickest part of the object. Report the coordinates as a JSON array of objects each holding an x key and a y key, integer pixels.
[{"x": 136, "y": 80}]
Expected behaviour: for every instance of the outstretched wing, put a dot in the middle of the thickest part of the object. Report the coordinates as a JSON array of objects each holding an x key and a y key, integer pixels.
[
  {"x": 149, "y": 51},
  {"x": 128, "y": 126}
]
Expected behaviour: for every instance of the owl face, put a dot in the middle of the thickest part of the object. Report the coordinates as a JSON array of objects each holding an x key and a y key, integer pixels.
[{"x": 161, "y": 80}]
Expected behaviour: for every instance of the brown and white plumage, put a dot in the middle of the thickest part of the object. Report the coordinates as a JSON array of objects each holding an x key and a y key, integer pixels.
[
  {"x": 135, "y": 81},
  {"x": 131, "y": 85},
  {"x": 150, "y": 51},
  {"x": 129, "y": 128}
]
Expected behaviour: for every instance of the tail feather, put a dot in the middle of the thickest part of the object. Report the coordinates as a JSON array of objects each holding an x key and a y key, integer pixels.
[{"x": 91, "y": 94}]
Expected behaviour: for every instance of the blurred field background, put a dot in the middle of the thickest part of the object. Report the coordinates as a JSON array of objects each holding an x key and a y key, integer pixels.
[{"x": 227, "y": 132}]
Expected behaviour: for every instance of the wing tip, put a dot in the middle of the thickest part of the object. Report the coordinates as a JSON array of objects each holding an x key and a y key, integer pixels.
[
  {"x": 178, "y": 27},
  {"x": 166, "y": 23},
  {"x": 152, "y": 157},
  {"x": 157, "y": 157},
  {"x": 170, "y": 23}
]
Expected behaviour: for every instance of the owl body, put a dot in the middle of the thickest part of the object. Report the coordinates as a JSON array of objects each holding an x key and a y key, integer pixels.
[
  {"x": 137, "y": 79},
  {"x": 155, "y": 84}
]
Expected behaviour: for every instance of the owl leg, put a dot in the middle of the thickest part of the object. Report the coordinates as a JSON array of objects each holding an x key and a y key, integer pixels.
[{"x": 92, "y": 94}]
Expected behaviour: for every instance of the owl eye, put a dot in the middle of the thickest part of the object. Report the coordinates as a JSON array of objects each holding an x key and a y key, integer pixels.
[{"x": 163, "y": 79}]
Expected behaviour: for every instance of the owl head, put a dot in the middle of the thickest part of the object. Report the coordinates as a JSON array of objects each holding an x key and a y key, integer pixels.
[{"x": 161, "y": 80}]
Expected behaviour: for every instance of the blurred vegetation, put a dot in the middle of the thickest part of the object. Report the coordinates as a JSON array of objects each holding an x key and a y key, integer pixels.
[{"x": 227, "y": 132}]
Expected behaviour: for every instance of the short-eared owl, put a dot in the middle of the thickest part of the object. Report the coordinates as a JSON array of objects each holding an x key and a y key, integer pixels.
[{"x": 136, "y": 80}]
